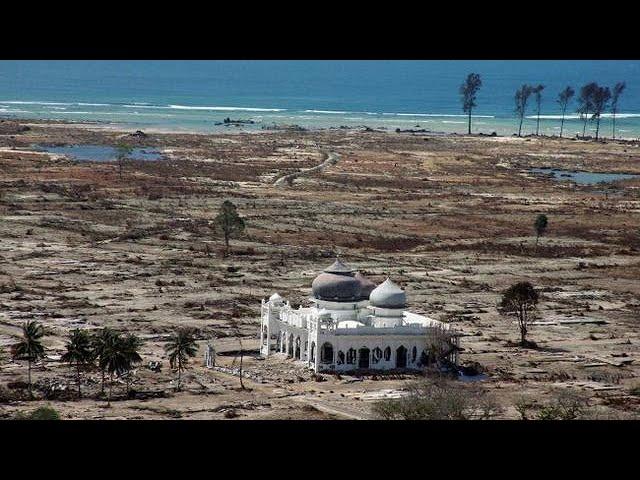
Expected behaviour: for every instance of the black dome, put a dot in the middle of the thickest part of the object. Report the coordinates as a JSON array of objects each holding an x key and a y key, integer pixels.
[
  {"x": 336, "y": 288},
  {"x": 337, "y": 284},
  {"x": 366, "y": 286}
]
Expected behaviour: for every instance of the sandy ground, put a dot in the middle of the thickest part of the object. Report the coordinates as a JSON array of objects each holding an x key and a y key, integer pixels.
[{"x": 449, "y": 217}]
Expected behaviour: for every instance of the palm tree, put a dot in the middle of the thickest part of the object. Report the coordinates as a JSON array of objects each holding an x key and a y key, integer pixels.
[
  {"x": 99, "y": 341},
  {"x": 78, "y": 352},
  {"x": 180, "y": 347},
  {"x": 131, "y": 345},
  {"x": 115, "y": 359},
  {"x": 30, "y": 348}
]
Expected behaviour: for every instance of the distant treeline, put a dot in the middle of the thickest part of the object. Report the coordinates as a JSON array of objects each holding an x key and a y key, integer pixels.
[{"x": 593, "y": 101}]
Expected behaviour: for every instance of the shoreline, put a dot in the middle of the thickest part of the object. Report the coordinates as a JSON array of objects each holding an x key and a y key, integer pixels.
[
  {"x": 123, "y": 129},
  {"x": 87, "y": 246},
  {"x": 503, "y": 127}
]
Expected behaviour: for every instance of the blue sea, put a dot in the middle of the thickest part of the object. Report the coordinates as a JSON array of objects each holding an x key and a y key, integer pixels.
[{"x": 195, "y": 95}]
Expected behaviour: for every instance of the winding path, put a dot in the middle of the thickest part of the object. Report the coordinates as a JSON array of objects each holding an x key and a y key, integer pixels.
[{"x": 331, "y": 159}]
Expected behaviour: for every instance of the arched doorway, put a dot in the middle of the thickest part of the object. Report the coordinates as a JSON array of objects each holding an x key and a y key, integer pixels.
[
  {"x": 401, "y": 357},
  {"x": 363, "y": 357},
  {"x": 387, "y": 354},
  {"x": 376, "y": 355},
  {"x": 326, "y": 353},
  {"x": 297, "y": 349},
  {"x": 313, "y": 351},
  {"x": 290, "y": 349}
]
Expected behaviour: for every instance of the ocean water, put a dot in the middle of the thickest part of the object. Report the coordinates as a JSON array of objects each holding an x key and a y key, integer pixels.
[{"x": 195, "y": 95}]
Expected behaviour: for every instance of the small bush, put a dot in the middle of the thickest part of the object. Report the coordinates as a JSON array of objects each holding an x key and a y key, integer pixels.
[
  {"x": 566, "y": 406},
  {"x": 441, "y": 399},
  {"x": 41, "y": 413},
  {"x": 231, "y": 413}
]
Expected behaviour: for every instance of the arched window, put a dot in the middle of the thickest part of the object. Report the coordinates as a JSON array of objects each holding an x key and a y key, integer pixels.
[
  {"x": 387, "y": 354},
  {"x": 376, "y": 355},
  {"x": 351, "y": 356},
  {"x": 340, "y": 357},
  {"x": 326, "y": 353},
  {"x": 313, "y": 351},
  {"x": 414, "y": 354}
]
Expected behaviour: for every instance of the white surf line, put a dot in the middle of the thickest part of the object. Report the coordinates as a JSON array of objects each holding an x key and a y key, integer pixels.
[{"x": 332, "y": 158}]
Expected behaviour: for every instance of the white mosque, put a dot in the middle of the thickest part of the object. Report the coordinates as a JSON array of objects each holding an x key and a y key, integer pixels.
[{"x": 352, "y": 324}]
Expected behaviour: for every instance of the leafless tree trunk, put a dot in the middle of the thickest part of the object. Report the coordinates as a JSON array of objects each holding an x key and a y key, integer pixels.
[{"x": 241, "y": 356}]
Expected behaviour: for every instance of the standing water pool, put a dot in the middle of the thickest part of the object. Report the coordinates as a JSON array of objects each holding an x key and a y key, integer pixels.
[
  {"x": 99, "y": 153},
  {"x": 583, "y": 178}
]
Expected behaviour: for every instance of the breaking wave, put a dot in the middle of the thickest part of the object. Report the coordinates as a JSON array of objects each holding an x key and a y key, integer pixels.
[{"x": 240, "y": 109}]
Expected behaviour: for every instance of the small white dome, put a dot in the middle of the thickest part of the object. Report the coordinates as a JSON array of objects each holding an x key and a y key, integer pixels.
[
  {"x": 388, "y": 295},
  {"x": 276, "y": 298}
]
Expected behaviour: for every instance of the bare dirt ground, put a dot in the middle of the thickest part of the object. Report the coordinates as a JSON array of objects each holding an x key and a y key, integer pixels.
[{"x": 450, "y": 218}]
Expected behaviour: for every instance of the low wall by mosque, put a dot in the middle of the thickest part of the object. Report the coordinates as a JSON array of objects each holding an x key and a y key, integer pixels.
[{"x": 367, "y": 330}]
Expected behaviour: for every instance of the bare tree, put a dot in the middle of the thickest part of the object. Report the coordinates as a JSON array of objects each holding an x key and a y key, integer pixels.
[
  {"x": 229, "y": 222},
  {"x": 520, "y": 300},
  {"x": 537, "y": 91},
  {"x": 601, "y": 97},
  {"x": 521, "y": 98},
  {"x": 615, "y": 96},
  {"x": 123, "y": 152},
  {"x": 564, "y": 98},
  {"x": 540, "y": 226},
  {"x": 468, "y": 91},
  {"x": 585, "y": 103},
  {"x": 235, "y": 327}
]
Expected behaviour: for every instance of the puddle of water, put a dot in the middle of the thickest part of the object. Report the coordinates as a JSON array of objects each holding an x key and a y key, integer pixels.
[
  {"x": 99, "y": 153},
  {"x": 472, "y": 378},
  {"x": 583, "y": 178}
]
